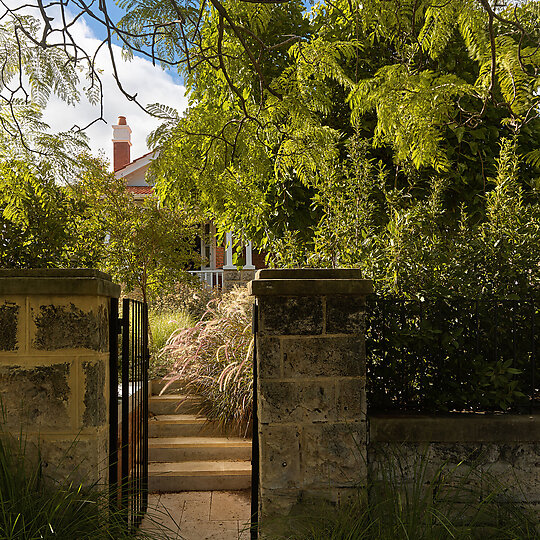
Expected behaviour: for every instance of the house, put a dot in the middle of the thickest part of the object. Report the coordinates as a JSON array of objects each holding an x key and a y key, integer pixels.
[{"x": 218, "y": 269}]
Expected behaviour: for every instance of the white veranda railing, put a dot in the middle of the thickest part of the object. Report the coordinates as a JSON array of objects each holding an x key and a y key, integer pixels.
[{"x": 212, "y": 278}]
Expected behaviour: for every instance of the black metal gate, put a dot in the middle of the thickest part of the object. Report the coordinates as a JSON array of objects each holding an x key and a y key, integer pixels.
[
  {"x": 128, "y": 450},
  {"x": 255, "y": 437}
]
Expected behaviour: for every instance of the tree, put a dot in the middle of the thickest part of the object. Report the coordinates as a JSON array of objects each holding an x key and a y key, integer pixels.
[
  {"x": 60, "y": 207},
  {"x": 281, "y": 94},
  {"x": 219, "y": 36},
  {"x": 148, "y": 247},
  {"x": 383, "y": 129},
  {"x": 423, "y": 84},
  {"x": 32, "y": 70},
  {"x": 417, "y": 251},
  {"x": 41, "y": 222},
  {"x": 95, "y": 223}
]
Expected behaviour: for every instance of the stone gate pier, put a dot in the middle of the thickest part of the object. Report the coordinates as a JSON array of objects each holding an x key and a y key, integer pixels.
[
  {"x": 54, "y": 366},
  {"x": 311, "y": 387}
]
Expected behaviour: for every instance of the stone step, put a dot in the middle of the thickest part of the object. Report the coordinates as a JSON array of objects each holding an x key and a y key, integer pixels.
[
  {"x": 174, "y": 404},
  {"x": 176, "y": 387},
  {"x": 171, "y": 449},
  {"x": 182, "y": 425},
  {"x": 199, "y": 476}
]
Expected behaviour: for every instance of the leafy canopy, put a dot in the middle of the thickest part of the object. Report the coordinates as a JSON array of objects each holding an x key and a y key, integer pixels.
[
  {"x": 93, "y": 222},
  {"x": 378, "y": 125},
  {"x": 40, "y": 221},
  {"x": 409, "y": 103},
  {"x": 145, "y": 246}
]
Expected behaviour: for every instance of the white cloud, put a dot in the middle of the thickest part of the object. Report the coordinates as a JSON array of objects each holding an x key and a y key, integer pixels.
[{"x": 139, "y": 76}]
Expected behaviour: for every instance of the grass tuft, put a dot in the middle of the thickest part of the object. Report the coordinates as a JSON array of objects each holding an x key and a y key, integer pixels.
[
  {"x": 163, "y": 324},
  {"x": 36, "y": 507},
  {"x": 214, "y": 358},
  {"x": 413, "y": 500}
]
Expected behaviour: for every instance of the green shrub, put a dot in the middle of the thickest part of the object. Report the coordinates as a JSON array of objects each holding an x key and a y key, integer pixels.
[
  {"x": 440, "y": 354},
  {"x": 414, "y": 240},
  {"x": 214, "y": 357},
  {"x": 163, "y": 324}
]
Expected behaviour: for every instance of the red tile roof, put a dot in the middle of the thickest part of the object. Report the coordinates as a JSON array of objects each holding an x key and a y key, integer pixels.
[{"x": 137, "y": 190}]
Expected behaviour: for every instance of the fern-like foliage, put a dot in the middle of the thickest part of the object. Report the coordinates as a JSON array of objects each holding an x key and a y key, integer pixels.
[
  {"x": 44, "y": 70},
  {"x": 33, "y": 72},
  {"x": 411, "y": 110},
  {"x": 280, "y": 92},
  {"x": 149, "y": 25}
]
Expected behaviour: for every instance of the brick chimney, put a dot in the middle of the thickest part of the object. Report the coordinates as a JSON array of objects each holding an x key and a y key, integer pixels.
[{"x": 121, "y": 144}]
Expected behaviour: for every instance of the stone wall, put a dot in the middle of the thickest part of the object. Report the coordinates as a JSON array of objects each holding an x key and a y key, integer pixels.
[
  {"x": 502, "y": 450},
  {"x": 316, "y": 440},
  {"x": 236, "y": 278},
  {"x": 54, "y": 365},
  {"x": 311, "y": 386}
]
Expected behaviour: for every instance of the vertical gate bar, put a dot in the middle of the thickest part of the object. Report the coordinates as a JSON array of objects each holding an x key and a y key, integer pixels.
[
  {"x": 255, "y": 438},
  {"x": 383, "y": 333},
  {"x": 470, "y": 338},
  {"x": 125, "y": 408},
  {"x": 139, "y": 446},
  {"x": 462, "y": 316},
  {"x": 137, "y": 418},
  {"x": 496, "y": 357},
  {"x": 135, "y": 421},
  {"x": 421, "y": 358},
  {"x": 133, "y": 410},
  {"x": 133, "y": 479},
  {"x": 533, "y": 356},
  {"x": 130, "y": 379},
  {"x": 477, "y": 328},
  {"x": 138, "y": 415},
  {"x": 145, "y": 408},
  {"x": 405, "y": 384},
  {"x": 113, "y": 406},
  {"x": 133, "y": 439},
  {"x": 513, "y": 307}
]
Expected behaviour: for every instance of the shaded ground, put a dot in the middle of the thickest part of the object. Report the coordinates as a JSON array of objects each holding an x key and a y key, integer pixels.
[{"x": 200, "y": 515}]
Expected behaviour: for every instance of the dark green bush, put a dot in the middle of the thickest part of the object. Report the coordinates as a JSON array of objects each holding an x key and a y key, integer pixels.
[{"x": 443, "y": 354}]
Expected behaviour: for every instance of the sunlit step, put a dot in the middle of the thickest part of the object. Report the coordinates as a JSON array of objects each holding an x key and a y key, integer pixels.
[
  {"x": 174, "y": 404},
  {"x": 170, "y": 449},
  {"x": 199, "y": 476}
]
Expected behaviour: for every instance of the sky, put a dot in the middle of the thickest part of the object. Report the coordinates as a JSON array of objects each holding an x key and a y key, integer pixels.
[{"x": 151, "y": 84}]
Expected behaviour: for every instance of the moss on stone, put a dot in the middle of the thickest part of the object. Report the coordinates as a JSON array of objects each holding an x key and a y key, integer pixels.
[{"x": 9, "y": 318}]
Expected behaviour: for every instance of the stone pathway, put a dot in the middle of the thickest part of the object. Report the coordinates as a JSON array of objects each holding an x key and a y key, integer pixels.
[{"x": 199, "y": 515}]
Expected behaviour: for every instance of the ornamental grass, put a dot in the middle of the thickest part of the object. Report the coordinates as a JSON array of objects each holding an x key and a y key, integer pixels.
[
  {"x": 34, "y": 506},
  {"x": 163, "y": 324},
  {"x": 408, "y": 498},
  {"x": 213, "y": 358}
]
